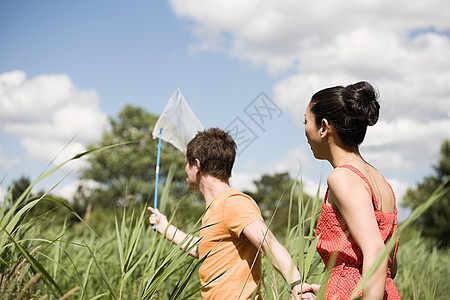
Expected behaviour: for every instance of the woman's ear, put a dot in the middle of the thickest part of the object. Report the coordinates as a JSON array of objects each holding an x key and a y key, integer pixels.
[{"x": 324, "y": 127}]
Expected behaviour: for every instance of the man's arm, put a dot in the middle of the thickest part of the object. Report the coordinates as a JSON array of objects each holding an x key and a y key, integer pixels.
[
  {"x": 260, "y": 236},
  {"x": 173, "y": 234}
]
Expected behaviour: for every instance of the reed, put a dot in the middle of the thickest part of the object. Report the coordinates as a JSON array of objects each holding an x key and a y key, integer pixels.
[{"x": 42, "y": 259}]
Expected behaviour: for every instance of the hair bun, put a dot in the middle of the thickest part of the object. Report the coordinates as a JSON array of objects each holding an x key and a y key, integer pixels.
[{"x": 361, "y": 101}]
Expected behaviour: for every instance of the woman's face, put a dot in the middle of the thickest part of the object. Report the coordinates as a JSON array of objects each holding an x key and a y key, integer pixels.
[{"x": 312, "y": 132}]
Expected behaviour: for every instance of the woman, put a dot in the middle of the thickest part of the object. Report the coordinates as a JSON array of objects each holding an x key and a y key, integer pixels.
[{"x": 359, "y": 214}]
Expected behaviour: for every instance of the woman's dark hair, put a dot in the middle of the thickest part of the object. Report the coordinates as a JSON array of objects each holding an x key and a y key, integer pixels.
[
  {"x": 216, "y": 151},
  {"x": 348, "y": 109}
]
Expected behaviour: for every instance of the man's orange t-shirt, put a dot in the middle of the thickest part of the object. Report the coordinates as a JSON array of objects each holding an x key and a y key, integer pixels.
[{"x": 230, "y": 212}]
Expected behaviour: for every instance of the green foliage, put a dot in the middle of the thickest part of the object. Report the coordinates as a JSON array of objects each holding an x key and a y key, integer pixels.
[
  {"x": 127, "y": 173},
  {"x": 128, "y": 261},
  {"x": 18, "y": 233},
  {"x": 299, "y": 242},
  {"x": 423, "y": 270},
  {"x": 274, "y": 192},
  {"x": 48, "y": 202},
  {"x": 19, "y": 186},
  {"x": 435, "y": 222},
  {"x": 46, "y": 258}
]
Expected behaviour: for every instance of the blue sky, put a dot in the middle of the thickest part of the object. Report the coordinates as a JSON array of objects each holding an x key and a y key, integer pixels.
[{"x": 65, "y": 66}]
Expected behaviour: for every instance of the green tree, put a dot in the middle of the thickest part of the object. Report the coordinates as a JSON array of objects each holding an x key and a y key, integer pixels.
[
  {"x": 20, "y": 185},
  {"x": 127, "y": 173},
  {"x": 435, "y": 221},
  {"x": 272, "y": 191}
]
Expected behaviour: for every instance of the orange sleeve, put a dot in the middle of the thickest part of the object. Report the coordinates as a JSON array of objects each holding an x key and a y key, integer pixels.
[{"x": 239, "y": 212}]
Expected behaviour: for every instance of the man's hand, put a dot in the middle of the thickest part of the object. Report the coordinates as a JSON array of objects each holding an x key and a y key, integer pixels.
[
  {"x": 310, "y": 291},
  {"x": 173, "y": 234},
  {"x": 303, "y": 292},
  {"x": 158, "y": 219}
]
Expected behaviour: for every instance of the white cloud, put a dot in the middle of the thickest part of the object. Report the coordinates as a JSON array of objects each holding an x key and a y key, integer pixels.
[
  {"x": 301, "y": 164},
  {"x": 298, "y": 162},
  {"x": 414, "y": 111},
  {"x": 294, "y": 92},
  {"x": 48, "y": 111},
  {"x": 401, "y": 48},
  {"x": 400, "y": 187},
  {"x": 405, "y": 144},
  {"x": 413, "y": 116},
  {"x": 2, "y": 195},
  {"x": 67, "y": 191},
  {"x": 52, "y": 150},
  {"x": 243, "y": 181},
  {"x": 283, "y": 34},
  {"x": 8, "y": 161}
]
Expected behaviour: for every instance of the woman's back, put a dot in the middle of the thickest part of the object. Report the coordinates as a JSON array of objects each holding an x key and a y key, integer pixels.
[
  {"x": 384, "y": 195},
  {"x": 338, "y": 248}
]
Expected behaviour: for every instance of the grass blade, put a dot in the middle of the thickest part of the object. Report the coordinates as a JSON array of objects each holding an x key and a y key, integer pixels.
[
  {"x": 102, "y": 273},
  {"x": 36, "y": 266}
]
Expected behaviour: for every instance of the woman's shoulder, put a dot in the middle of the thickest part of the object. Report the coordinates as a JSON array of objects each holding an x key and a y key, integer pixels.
[
  {"x": 341, "y": 175},
  {"x": 345, "y": 183},
  {"x": 361, "y": 171}
]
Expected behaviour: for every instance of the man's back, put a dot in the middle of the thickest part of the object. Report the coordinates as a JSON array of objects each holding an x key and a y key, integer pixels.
[{"x": 228, "y": 214}]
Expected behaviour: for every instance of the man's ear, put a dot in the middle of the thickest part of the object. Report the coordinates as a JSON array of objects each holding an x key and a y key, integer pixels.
[{"x": 197, "y": 164}]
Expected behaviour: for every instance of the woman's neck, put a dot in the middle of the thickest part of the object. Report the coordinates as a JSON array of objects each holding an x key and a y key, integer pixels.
[{"x": 339, "y": 156}]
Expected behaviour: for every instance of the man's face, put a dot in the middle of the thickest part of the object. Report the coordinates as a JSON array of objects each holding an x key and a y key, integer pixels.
[{"x": 191, "y": 176}]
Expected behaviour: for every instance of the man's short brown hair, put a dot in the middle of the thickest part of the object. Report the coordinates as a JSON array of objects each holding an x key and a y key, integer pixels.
[{"x": 216, "y": 151}]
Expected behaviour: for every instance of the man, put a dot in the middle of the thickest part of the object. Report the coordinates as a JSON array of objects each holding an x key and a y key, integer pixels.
[{"x": 236, "y": 233}]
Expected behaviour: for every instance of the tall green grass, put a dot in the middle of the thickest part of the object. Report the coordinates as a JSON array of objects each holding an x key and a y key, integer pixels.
[{"x": 126, "y": 259}]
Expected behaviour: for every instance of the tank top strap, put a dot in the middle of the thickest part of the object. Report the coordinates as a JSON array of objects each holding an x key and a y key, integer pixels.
[
  {"x": 361, "y": 175},
  {"x": 326, "y": 195}
]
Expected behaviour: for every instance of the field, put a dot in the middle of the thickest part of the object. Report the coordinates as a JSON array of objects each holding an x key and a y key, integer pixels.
[{"x": 118, "y": 256}]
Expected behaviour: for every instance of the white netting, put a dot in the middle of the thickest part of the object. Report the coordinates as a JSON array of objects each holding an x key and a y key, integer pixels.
[{"x": 178, "y": 122}]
